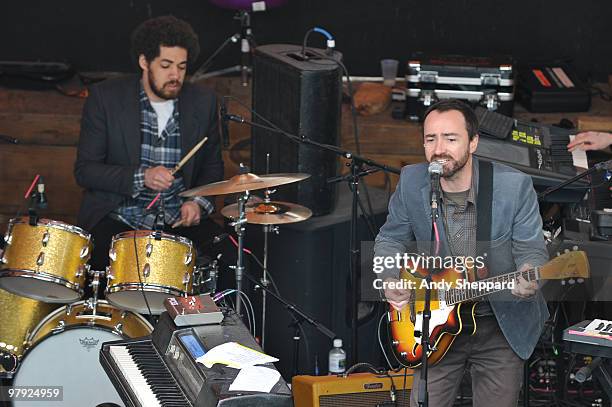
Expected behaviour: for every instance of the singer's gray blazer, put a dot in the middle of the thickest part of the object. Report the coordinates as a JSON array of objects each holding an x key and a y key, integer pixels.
[
  {"x": 516, "y": 238},
  {"x": 108, "y": 153}
]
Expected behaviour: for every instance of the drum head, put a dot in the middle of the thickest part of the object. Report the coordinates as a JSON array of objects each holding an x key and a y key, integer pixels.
[
  {"x": 69, "y": 359},
  {"x": 41, "y": 290},
  {"x": 134, "y": 300}
]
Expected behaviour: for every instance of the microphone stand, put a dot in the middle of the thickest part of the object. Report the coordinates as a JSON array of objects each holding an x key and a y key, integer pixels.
[
  {"x": 245, "y": 38},
  {"x": 423, "y": 399},
  {"x": 602, "y": 166},
  {"x": 298, "y": 316},
  {"x": 357, "y": 163}
]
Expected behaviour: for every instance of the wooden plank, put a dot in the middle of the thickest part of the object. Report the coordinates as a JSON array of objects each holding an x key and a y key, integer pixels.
[
  {"x": 39, "y": 128},
  {"x": 46, "y": 102},
  {"x": 20, "y": 164},
  {"x": 586, "y": 123}
]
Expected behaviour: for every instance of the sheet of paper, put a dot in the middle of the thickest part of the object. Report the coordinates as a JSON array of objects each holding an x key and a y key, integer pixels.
[
  {"x": 255, "y": 378},
  {"x": 234, "y": 355},
  {"x": 579, "y": 157}
]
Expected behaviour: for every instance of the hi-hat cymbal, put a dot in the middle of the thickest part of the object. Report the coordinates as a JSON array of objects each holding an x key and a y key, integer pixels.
[
  {"x": 270, "y": 213},
  {"x": 245, "y": 182}
]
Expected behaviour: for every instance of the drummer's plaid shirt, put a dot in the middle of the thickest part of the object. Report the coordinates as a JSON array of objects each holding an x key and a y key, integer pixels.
[{"x": 157, "y": 150}]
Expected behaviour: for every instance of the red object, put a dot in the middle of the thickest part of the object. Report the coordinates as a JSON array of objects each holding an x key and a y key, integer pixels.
[
  {"x": 154, "y": 200},
  {"x": 27, "y": 195}
]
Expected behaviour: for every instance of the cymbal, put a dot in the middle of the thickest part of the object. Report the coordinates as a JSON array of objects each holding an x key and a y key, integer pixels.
[
  {"x": 245, "y": 182},
  {"x": 270, "y": 213}
]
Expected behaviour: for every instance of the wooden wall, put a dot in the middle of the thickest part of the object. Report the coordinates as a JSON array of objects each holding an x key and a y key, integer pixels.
[{"x": 47, "y": 126}]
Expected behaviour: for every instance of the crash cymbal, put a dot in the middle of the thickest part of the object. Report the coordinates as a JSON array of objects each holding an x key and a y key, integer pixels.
[
  {"x": 270, "y": 213},
  {"x": 245, "y": 182}
]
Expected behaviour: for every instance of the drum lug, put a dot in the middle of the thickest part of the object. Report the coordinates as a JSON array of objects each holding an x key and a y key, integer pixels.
[
  {"x": 8, "y": 237},
  {"x": 46, "y": 237},
  {"x": 149, "y": 249},
  {"x": 119, "y": 328},
  {"x": 109, "y": 275},
  {"x": 80, "y": 271},
  {"x": 84, "y": 252},
  {"x": 61, "y": 325},
  {"x": 41, "y": 259},
  {"x": 3, "y": 260},
  {"x": 188, "y": 257},
  {"x": 146, "y": 270},
  {"x": 186, "y": 279},
  {"x": 112, "y": 254}
]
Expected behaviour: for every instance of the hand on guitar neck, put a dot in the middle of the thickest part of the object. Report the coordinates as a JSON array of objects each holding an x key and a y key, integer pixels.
[{"x": 522, "y": 287}]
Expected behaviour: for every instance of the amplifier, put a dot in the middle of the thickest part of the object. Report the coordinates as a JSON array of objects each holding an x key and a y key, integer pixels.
[{"x": 356, "y": 390}]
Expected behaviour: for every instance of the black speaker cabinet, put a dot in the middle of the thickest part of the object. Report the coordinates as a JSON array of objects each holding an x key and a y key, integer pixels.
[{"x": 302, "y": 97}]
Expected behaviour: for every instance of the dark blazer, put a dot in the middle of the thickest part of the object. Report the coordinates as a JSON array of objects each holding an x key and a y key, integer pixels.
[{"x": 108, "y": 152}]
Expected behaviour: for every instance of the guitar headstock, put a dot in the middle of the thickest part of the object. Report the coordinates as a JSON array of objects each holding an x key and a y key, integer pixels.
[{"x": 571, "y": 264}]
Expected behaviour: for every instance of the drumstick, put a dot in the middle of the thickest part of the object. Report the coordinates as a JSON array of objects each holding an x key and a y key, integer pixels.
[
  {"x": 178, "y": 167},
  {"x": 189, "y": 155}
]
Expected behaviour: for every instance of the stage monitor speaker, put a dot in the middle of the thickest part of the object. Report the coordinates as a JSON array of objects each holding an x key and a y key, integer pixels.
[
  {"x": 301, "y": 96},
  {"x": 355, "y": 390}
]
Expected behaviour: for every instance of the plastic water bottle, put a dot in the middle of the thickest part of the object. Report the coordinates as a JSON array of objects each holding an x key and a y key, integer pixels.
[{"x": 337, "y": 358}]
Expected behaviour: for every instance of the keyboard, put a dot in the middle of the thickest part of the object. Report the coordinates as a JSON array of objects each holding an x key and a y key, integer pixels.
[{"x": 161, "y": 370}]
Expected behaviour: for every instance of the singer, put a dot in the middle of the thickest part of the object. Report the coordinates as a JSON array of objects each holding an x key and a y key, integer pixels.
[
  {"x": 135, "y": 129},
  {"x": 498, "y": 205}
]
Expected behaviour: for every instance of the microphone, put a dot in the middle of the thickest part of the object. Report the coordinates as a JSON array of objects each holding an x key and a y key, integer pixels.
[
  {"x": 224, "y": 119},
  {"x": 41, "y": 197},
  {"x": 435, "y": 170}
]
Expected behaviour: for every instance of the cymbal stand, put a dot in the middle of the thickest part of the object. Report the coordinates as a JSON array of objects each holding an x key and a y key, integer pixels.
[
  {"x": 239, "y": 227},
  {"x": 267, "y": 229}
]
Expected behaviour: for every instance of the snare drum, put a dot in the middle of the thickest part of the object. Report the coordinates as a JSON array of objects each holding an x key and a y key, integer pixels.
[
  {"x": 18, "y": 318},
  {"x": 66, "y": 353},
  {"x": 165, "y": 268},
  {"x": 46, "y": 262}
]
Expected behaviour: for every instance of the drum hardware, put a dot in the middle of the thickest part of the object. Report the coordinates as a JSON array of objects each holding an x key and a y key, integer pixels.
[
  {"x": 203, "y": 280},
  {"x": 268, "y": 214},
  {"x": 243, "y": 183}
]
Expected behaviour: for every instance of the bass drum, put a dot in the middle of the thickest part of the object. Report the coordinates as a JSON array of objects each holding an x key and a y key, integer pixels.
[
  {"x": 19, "y": 317},
  {"x": 66, "y": 350}
]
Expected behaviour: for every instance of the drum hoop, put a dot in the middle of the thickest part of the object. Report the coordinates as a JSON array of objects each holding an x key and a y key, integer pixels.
[
  {"x": 60, "y": 310},
  {"x": 41, "y": 275},
  {"x": 54, "y": 224},
  {"x": 158, "y": 288},
  {"x": 151, "y": 234}
]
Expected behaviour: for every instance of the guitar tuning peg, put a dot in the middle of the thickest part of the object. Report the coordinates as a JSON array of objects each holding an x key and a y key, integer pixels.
[{"x": 575, "y": 248}]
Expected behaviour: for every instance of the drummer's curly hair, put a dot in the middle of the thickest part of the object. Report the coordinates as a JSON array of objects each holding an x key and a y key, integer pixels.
[{"x": 166, "y": 31}]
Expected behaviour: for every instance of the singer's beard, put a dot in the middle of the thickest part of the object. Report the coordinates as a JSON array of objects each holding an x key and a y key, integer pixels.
[{"x": 451, "y": 166}]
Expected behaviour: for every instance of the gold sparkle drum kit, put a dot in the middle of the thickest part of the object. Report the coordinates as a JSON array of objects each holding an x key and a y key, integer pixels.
[{"x": 48, "y": 332}]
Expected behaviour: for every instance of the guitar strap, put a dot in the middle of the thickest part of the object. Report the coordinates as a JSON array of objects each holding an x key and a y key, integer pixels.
[{"x": 484, "y": 209}]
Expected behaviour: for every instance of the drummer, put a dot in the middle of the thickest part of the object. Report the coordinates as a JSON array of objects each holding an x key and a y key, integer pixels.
[{"x": 135, "y": 130}]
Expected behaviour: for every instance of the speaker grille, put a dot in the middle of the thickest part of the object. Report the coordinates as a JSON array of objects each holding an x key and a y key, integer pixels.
[{"x": 369, "y": 399}]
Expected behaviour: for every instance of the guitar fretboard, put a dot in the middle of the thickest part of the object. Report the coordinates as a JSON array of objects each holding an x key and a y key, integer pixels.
[{"x": 456, "y": 295}]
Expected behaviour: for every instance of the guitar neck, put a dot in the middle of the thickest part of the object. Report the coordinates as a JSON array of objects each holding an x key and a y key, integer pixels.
[{"x": 488, "y": 286}]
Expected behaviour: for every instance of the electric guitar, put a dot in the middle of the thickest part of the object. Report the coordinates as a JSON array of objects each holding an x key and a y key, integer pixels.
[{"x": 452, "y": 308}]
